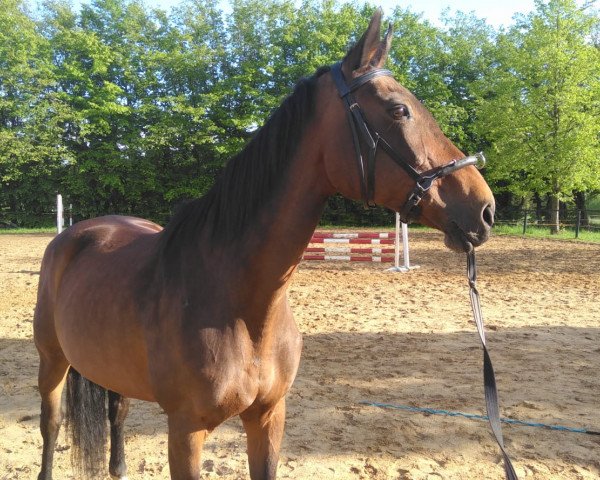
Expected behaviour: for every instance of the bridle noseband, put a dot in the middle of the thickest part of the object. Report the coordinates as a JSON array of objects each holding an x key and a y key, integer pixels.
[{"x": 361, "y": 130}]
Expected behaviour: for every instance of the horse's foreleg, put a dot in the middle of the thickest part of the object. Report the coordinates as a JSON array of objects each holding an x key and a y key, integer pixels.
[
  {"x": 51, "y": 380},
  {"x": 186, "y": 439},
  {"x": 118, "y": 407},
  {"x": 264, "y": 431}
]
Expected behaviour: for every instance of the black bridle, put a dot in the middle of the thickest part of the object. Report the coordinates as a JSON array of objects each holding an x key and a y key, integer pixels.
[{"x": 362, "y": 131}]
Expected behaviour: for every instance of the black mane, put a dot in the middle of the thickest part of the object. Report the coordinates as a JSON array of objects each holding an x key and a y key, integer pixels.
[{"x": 250, "y": 178}]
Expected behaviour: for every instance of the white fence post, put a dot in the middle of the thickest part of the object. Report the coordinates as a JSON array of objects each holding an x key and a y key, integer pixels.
[
  {"x": 406, "y": 267},
  {"x": 397, "y": 243},
  {"x": 60, "y": 222}
]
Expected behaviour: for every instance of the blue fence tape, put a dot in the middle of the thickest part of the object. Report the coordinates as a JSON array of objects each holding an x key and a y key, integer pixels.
[{"x": 471, "y": 416}]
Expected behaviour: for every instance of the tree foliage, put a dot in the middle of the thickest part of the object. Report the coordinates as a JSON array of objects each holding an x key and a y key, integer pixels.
[
  {"x": 128, "y": 109},
  {"x": 540, "y": 107}
]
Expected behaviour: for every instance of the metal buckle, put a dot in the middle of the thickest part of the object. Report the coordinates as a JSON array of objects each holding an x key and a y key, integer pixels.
[
  {"x": 424, "y": 184},
  {"x": 415, "y": 198}
]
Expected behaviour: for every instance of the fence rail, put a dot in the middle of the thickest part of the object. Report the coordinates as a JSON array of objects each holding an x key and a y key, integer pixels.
[
  {"x": 574, "y": 220},
  {"x": 570, "y": 220}
]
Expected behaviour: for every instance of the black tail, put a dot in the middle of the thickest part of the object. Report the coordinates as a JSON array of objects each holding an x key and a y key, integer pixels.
[{"x": 86, "y": 422}]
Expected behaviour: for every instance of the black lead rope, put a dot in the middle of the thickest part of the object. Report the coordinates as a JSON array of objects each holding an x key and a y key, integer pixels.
[{"x": 489, "y": 379}]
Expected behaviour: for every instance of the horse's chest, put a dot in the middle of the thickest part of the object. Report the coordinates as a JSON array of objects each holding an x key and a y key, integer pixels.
[
  {"x": 222, "y": 373},
  {"x": 262, "y": 376}
]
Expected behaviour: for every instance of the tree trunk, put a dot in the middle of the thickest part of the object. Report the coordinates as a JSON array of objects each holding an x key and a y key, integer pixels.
[
  {"x": 539, "y": 207},
  {"x": 554, "y": 214},
  {"x": 581, "y": 205}
]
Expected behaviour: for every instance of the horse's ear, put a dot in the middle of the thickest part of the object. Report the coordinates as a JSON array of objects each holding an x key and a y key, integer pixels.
[
  {"x": 378, "y": 60},
  {"x": 370, "y": 51}
]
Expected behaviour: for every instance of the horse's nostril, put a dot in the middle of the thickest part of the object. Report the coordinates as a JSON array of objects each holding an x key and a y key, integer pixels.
[{"x": 488, "y": 216}]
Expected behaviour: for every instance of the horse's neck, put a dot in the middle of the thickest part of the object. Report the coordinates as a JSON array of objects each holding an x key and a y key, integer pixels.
[
  {"x": 246, "y": 276},
  {"x": 287, "y": 223},
  {"x": 272, "y": 247}
]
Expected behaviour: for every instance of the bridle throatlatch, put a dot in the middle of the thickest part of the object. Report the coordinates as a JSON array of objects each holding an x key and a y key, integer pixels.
[{"x": 372, "y": 140}]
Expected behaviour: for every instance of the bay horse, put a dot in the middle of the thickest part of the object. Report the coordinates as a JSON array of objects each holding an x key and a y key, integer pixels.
[{"x": 196, "y": 316}]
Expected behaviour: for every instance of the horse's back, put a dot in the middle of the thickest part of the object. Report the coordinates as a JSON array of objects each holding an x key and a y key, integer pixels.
[{"x": 104, "y": 233}]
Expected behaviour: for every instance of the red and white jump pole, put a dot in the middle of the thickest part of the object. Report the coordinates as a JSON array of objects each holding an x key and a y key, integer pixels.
[
  {"x": 338, "y": 247},
  {"x": 406, "y": 266}
]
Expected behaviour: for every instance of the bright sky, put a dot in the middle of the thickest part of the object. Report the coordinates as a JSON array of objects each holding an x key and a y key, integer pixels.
[{"x": 496, "y": 12}]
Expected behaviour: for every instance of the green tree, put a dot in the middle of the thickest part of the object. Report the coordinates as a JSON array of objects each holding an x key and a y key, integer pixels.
[
  {"x": 30, "y": 115},
  {"x": 83, "y": 65},
  {"x": 467, "y": 54},
  {"x": 541, "y": 107},
  {"x": 184, "y": 137}
]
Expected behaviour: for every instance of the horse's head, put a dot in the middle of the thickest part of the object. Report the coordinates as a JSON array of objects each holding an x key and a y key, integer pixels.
[{"x": 397, "y": 144}]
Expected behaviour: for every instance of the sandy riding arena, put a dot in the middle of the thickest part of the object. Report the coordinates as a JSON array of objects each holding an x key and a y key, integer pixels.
[{"x": 374, "y": 336}]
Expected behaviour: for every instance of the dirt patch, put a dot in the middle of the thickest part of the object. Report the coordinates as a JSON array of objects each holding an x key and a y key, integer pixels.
[{"x": 374, "y": 336}]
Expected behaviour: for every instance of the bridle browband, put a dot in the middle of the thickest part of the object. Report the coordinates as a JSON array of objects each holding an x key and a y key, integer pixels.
[{"x": 362, "y": 131}]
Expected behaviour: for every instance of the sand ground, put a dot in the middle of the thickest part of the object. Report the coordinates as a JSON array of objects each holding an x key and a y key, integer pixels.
[{"x": 370, "y": 335}]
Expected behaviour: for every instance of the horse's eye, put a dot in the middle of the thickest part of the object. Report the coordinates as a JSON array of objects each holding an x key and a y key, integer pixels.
[{"x": 399, "y": 112}]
